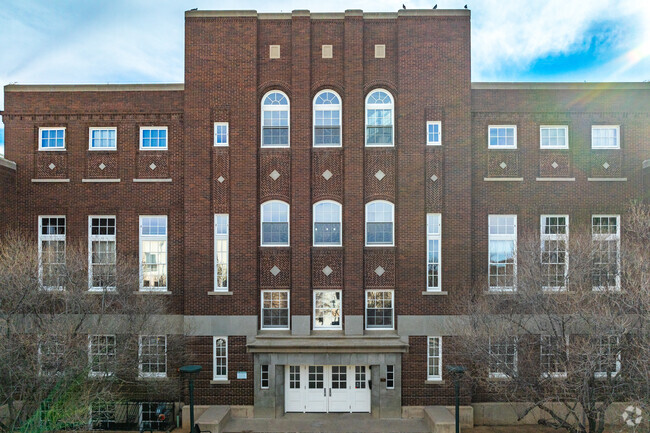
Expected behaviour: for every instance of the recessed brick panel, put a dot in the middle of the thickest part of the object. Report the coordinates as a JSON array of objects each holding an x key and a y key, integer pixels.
[
  {"x": 320, "y": 259},
  {"x": 270, "y": 257},
  {"x": 554, "y": 163},
  {"x": 44, "y": 169},
  {"x": 379, "y": 160},
  {"x": 434, "y": 180},
  {"x": 327, "y": 160},
  {"x": 96, "y": 160},
  {"x": 379, "y": 257},
  {"x": 220, "y": 179},
  {"x": 606, "y": 163},
  {"x": 503, "y": 163},
  {"x": 160, "y": 159},
  {"x": 275, "y": 160}
]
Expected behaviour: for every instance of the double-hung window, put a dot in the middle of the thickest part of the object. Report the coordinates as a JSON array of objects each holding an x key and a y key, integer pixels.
[
  {"x": 606, "y": 239},
  {"x": 102, "y": 415},
  {"x": 275, "y": 224},
  {"x": 605, "y": 137},
  {"x": 102, "y": 138},
  {"x": 434, "y": 358},
  {"x": 433, "y": 251},
  {"x": 153, "y": 253},
  {"x": 51, "y": 354},
  {"x": 555, "y": 256},
  {"x": 101, "y": 355},
  {"x": 51, "y": 252},
  {"x": 609, "y": 356},
  {"x": 221, "y": 234},
  {"x": 502, "y": 137},
  {"x": 275, "y": 309},
  {"x": 220, "y": 356},
  {"x": 221, "y": 134},
  {"x": 102, "y": 260},
  {"x": 153, "y": 138},
  {"x": 502, "y": 265},
  {"x": 275, "y": 119},
  {"x": 554, "y": 137},
  {"x": 502, "y": 357},
  {"x": 327, "y": 223},
  {"x": 153, "y": 356},
  {"x": 380, "y": 118},
  {"x": 554, "y": 355},
  {"x": 380, "y": 309},
  {"x": 380, "y": 229},
  {"x": 51, "y": 138},
  {"x": 327, "y": 309},
  {"x": 434, "y": 133},
  {"x": 327, "y": 119}
]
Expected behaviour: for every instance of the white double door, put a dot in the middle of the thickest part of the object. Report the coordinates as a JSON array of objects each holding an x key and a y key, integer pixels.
[{"x": 327, "y": 388}]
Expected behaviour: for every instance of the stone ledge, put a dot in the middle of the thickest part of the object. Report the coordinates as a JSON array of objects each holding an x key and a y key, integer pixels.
[
  {"x": 152, "y": 292},
  {"x": 439, "y": 419},
  {"x": 220, "y": 382},
  {"x": 555, "y": 179},
  {"x": 503, "y": 179},
  {"x": 213, "y": 293},
  {"x": 50, "y": 180},
  {"x": 7, "y": 163},
  {"x": 153, "y": 180},
  {"x": 607, "y": 179},
  {"x": 100, "y": 180},
  {"x": 434, "y": 382},
  {"x": 432, "y": 293}
]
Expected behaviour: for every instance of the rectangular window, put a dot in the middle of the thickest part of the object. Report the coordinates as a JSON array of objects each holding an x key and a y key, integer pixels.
[
  {"x": 221, "y": 134},
  {"x": 51, "y": 138},
  {"x": 433, "y": 251},
  {"x": 153, "y": 137},
  {"x": 153, "y": 356},
  {"x": 555, "y": 257},
  {"x": 554, "y": 353},
  {"x": 327, "y": 309},
  {"x": 609, "y": 356},
  {"x": 502, "y": 137},
  {"x": 102, "y": 138},
  {"x": 51, "y": 252},
  {"x": 102, "y": 260},
  {"x": 221, "y": 234},
  {"x": 434, "y": 134},
  {"x": 102, "y": 415},
  {"x": 502, "y": 252},
  {"x": 220, "y": 352},
  {"x": 503, "y": 357},
  {"x": 379, "y": 309},
  {"x": 101, "y": 355},
  {"x": 51, "y": 354},
  {"x": 605, "y": 137},
  {"x": 264, "y": 376},
  {"x": 294, "y": 377},
  {"x": 390, "y": 377},
  {"x": 150, "y": 419},
  {"x": 434, "y": 358},
  {"x": 153, "y": 253},
  {"x": 606, "y": 239},
  {"x": 554, "y": 137},
  {"x": 275, "y": 309}
]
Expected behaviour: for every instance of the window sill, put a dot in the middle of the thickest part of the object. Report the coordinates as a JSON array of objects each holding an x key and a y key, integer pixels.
[
  {"x": 100, "y": 180},
  {"x": 147, "y": 378},
  {"x": 607, "y": 179},
  {"x": 152, "y": 292},
  {"x": 434, "y": 293},
  {"x": 500, "y": 292},
  {"x": 153, "y": 180},
  {"x": 50, "y": 180},
  {"x": 220, "y": 382},
  {"x": 100, "y": 292},
  {"x": 499, "y": 378},
  {"x": 503, "y": 179},
  {"x": 217, "y": 293},
  {"x": 434, "y": 382},
  {"x": 555, "y": 179}
]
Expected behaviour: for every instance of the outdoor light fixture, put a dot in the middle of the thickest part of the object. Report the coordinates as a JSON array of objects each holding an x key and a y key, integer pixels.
[
  {"x": 457, "y": 372},
  {"x": 191, "y": 371}
]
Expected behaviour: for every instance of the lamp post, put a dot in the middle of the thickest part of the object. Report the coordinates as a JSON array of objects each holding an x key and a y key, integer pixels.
[
  {"x": 457, "y": 372},
  {"x": 191, "y": 371}
]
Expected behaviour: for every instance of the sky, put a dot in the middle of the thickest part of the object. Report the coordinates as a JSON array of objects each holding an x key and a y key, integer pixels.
[{"x": 141, "y": 41}]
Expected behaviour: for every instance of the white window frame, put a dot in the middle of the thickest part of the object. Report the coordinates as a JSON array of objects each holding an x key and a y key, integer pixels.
[
  {"x": 323, "y": 107},
  {"x": 264, "y": 292},
  {"x": 218, "y": 125},
  {"x": 141, "y": 373},
  {"x": 315, "y": 324},
  {"x": 392, "y": 221},
  {"x": 59, "y": 343},
  {"x": 51, "y": 149},
  {"x": 154, "y": 238},
  {"x": 432, "y": 359},
  {"x": 49, "y": 237},
  {"x": 503, "y": 237},
  {"x": 617, "y": 128},
  {"x": 555, "y": 237},
  {"x": 433, "y": 236},
  {"x": 390, "y": 106},
  {"x": 340, "y": 222},
  {"x": 98, "y": 128},
  {"x": 550, "y": 127},
  {"x": 154, "y": 128},
  {"x": 92, "y": 373},
  {"x": 288, "y": 224},
  {"x": 99, "y": 238},
  {"x": 608, "y": 237},
  {"x": 491, "y": 127},
  {"x": 604, "y": 374},
  {"x": 215, "y": 376},
  {"x": 431, "y": 142},
  {"x": 221, "y": 237},
  {"x": 286, "y": 108},
  {"x": 554, "y": 374},
  {"x": 492, "y": 356},
  {"x": 265, "y": 376},
  {"x": 392, "y": 301}
]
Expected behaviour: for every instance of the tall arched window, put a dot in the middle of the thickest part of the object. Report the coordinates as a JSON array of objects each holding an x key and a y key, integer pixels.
[
  {"x": 327, "y": 119},
  {"x": 380, "y": 117},
  {"x": 380, "y": 227},
  {"x": 275, "y": 223},
  {"x": 275, "y": 119},
  {"x": 327, "y": 223}
]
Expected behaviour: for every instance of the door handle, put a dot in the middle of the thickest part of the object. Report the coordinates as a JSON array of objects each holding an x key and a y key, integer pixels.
[
  {"x": 330, "y": 392},
  {"x": 324, "y": 392}
]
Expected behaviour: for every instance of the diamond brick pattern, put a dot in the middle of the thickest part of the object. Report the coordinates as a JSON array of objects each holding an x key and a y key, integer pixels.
[
  {"x": 503, "y": 165},
  {"x": 327, "y": 271},
  {"x": 433, "y": 178},
  {"x": 275, "y": 271},
  {"x": 380, "y": 175},
  {"x": 221, "y": 179},
  {"x": 380, "y": 271},
  {"x": 102, "y": 166},
  {"x": 152, "y": 166},
  {"x": 606, "y": 165},
  {"x": 555, "y": 165},
  {"x": 52, "y": 166},
  {"x": 327, "y": 175},
  {"x": 274, "y": 175}
]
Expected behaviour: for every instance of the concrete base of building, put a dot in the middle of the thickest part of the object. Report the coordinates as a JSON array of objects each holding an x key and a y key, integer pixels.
[
  {"x": 492, "y": 414},
  {"x": 466, "y": 413}
]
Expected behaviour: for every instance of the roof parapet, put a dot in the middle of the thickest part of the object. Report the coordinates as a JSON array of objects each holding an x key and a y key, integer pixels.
[
  {"x": 7, "y": 163},
  {"x": 93, "y": 87},
  {"x": 326, "y": 15},
  {"x": 561, "y": 86}
]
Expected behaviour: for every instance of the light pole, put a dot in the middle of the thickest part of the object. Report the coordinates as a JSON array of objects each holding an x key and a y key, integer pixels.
[
  {"x": 457, "y": 372},
  {"x": 191, "y": 371}
]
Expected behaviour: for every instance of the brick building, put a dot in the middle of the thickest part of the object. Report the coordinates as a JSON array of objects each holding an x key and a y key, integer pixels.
[{"x": 322, "y": 194}]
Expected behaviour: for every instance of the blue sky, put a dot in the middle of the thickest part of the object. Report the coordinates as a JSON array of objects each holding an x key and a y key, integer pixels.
[{"x": 141, "y": 41}]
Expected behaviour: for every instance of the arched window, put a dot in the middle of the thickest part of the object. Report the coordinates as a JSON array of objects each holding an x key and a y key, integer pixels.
[
  {"x": 275, "y": 223},
  {"x": 220, "y": 352},
  {"x": 327, "y": 223},
  {"x": 380, "y": 217},
  {"x": 327, "y": 119},
  {"x": 380, "y": 118},
  {"x": 275, "y": 119}
]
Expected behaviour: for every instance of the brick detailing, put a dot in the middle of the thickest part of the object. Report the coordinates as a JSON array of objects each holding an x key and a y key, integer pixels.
[
  {"x": 607, "y": 163},
  {"x": 327, "y": 73},
  {"x": 51, "y": 165},
  {"x": 153, "y": 164},
  {"x": 434, "y": 180},
  {"x": 332, "y": 188},
  {"x": 376, "y": 160},
  {"x": 102, "y": 165},
  {"x": 278, "y": 160},
  {"x": 281, "y": 258},
  {"x": 378, "y": 71},
  {"x": 322, "y": 257},
  {"x": 503, "y": 163},
  {"x": 220, "y": 179},
  {"x": 7, "y": 199},
  {"x": 375, "y": 258},
  {"x": 554, "y": 163}
]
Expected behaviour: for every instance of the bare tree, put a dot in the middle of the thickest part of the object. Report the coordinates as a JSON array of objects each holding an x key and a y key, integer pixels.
[
  {"x": 572, "y": 338},
  {"x": 68, "y": 340}
]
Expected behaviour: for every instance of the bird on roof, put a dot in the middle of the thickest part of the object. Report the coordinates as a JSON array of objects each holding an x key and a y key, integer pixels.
[
  {"x": 194, "y": 9},
  {"x": 435, "y": 7},
  {"x": 465, "y": 6},
  {"x": 403, "y": 6}
]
